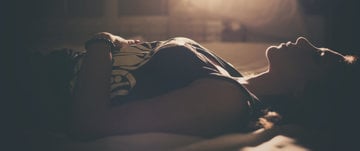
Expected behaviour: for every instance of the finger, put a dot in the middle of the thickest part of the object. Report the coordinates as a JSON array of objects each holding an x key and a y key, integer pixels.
[
  {"x": 130, "y": 41},
  {"x": 133, "y": 41},
  {"x": 104, "y": 35}
]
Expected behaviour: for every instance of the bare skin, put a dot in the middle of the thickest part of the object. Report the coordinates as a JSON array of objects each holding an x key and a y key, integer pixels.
[
  {"x": 291, "y": 65},
  {"x": 117, "y": 40},
  {"x": 207, "y": 107},
  {"x": 193, "y": 110}
]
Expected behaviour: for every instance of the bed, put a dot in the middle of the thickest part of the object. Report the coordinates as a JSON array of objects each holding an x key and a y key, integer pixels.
[
  {"x": 248, "y": 58},
  {"x": 284, "y": 138}
]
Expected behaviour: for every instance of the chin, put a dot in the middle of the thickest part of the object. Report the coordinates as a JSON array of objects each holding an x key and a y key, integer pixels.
[
  {"x": 272, "y": 52},
  {"x": 277, "y": 55}
]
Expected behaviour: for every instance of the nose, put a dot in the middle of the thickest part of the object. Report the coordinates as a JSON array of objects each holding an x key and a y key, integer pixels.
[{"x": 303, "y": 42}]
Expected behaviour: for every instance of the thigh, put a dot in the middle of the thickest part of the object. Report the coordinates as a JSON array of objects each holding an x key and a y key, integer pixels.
[{"x": 207, "y": 107}]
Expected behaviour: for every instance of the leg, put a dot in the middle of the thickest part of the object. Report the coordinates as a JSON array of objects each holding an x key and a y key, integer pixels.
[{"x": 207, "y": 107}]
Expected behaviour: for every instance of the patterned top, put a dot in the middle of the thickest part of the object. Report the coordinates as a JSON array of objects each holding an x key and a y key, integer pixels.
[{"x": 150, "y": 69}]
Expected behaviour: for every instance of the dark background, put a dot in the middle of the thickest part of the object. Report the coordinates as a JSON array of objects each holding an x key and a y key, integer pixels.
[
  {"x": 19, "y": 31},
  {"x": 342, "y": 22},
  {"x": 341, "y": 19}
]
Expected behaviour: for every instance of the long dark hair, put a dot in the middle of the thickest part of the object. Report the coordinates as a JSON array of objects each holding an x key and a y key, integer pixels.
[{"x": 43, "y": 83}]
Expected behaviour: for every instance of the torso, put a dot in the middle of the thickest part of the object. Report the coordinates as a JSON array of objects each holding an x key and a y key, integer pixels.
[{"x": 150, "y": 69}]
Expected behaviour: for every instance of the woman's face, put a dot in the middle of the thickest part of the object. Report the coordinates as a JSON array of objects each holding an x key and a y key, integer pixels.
[{"x": 300, "y": 56}]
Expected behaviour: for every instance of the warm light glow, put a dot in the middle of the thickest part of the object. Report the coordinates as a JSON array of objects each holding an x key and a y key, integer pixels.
[
  {"x": 350, "y": 59},
  {"x": 283, "y": 17}
]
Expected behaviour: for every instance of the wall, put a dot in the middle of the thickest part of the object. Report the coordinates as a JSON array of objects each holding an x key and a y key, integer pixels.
[{"x": 202, "y": 20}]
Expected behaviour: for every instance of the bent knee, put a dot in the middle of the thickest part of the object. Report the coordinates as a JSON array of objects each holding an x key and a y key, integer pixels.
[
  {"x": 226, "y": 92},
  {"x": 226, "y": 101}
]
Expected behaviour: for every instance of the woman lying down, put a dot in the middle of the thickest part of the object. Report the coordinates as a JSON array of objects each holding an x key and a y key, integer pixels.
[{"x": 119, "y": 87}]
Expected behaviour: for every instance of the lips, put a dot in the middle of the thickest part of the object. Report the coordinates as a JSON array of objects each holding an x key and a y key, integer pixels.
[
  {"x": 287, "y": 44},
  {"x": 281, "y": 46}
]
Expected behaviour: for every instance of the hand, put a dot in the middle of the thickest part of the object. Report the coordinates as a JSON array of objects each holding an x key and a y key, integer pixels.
[{"x": 117, "y": 40}]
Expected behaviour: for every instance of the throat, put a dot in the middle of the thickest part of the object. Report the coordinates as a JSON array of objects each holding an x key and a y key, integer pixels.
[{"x": 268, "y": 85}]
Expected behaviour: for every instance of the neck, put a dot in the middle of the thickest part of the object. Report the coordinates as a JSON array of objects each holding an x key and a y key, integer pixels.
[{"x": 267, "y": 83}]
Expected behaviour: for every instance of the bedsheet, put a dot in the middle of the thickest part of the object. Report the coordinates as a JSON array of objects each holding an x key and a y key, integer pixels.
[
  {"x": 288, "y": 137},
  {"x": 248, "y": 58}
]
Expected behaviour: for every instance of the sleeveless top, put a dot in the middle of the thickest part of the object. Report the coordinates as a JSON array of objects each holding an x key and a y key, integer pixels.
[{"x": 150, "y": 69}]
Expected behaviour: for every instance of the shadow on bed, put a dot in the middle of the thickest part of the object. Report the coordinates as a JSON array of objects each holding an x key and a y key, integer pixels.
[{"x": 319, "y": 120}]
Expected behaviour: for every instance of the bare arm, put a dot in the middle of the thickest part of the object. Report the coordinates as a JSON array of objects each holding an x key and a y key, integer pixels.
[
  {"x": 120, "y": 42},
  {"x": 92, "y": 91}
]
